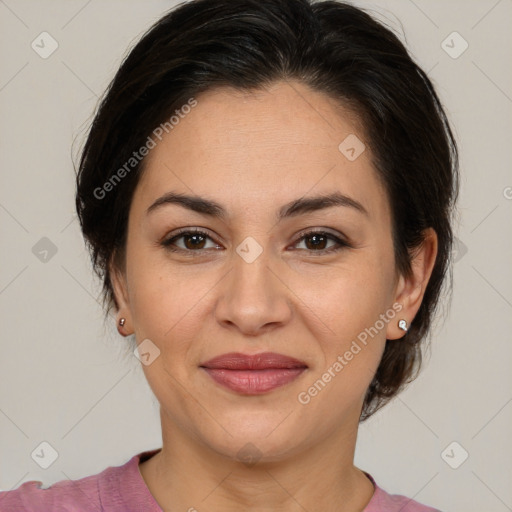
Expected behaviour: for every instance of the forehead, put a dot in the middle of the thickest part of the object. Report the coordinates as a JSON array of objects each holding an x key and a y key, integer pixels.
[{"x": 262, "y": 147}]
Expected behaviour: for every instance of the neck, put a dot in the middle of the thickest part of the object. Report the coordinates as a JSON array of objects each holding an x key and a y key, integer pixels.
[{"x": 187, "y": 475}]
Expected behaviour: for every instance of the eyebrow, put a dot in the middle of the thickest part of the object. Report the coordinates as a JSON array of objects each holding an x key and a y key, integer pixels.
[{"x": 294, "y": 208}]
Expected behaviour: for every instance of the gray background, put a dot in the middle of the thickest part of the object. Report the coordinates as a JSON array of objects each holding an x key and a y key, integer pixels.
[{"x": 66, "y": 378}]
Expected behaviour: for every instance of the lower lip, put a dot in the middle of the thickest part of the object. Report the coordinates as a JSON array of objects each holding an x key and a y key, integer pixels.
[{"x": 254, "y": 382}]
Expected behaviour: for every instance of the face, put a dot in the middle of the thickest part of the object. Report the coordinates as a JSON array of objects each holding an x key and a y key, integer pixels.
[{"x": 265, "y": 276}]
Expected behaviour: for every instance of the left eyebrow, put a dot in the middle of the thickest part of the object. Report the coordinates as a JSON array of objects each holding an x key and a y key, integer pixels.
[
  {"x": 311, "y": 204},
  {"x": 297, "y": 207}
]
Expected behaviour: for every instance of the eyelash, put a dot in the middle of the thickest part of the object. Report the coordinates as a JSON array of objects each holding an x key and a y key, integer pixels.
[{"x": 168, "y": 244}]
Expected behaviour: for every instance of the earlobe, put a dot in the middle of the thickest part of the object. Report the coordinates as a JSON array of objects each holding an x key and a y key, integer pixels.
[
  {"x": 411, "y": 289},
  {"x": 118, "y": 283},
  {"x": 121, "y": 328}
]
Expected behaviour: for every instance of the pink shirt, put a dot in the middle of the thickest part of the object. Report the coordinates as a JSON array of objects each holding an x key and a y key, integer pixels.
[{"x": 122, "y": 489}]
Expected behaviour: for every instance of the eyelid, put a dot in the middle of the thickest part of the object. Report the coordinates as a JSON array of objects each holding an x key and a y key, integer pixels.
[
  {"x": 341, "y": 240},
  {"x": 167, "y": 240},
  {"x": 322, "y": 231}
]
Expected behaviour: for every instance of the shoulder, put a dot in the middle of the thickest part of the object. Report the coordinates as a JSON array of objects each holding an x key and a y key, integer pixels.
[
  {"x": 63, "y": 496},
  {"x": 384, "y": 502},
  {"x": 91, "y": 493}
]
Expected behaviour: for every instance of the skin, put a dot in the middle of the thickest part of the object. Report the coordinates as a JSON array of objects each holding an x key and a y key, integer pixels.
[{"x": 252, "y": 153}]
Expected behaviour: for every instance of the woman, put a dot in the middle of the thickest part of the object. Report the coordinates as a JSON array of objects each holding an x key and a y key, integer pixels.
[{"x": 267, "y": 192}]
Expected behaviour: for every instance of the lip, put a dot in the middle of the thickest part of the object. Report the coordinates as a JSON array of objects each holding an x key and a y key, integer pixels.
[{"x": 253, "y": 374}]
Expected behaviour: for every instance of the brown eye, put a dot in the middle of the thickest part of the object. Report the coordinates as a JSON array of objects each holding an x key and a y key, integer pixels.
[
  {"x": 316, "y": 241},
  {"x": 193, "y": 241}
]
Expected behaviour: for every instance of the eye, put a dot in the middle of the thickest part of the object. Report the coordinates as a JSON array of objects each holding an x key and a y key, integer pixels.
[
  {"x": 194, "y": 241},
  {"x": 318, "y": 242}
]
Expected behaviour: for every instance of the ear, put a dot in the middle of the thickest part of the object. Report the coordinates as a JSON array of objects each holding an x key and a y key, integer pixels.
[
  {"x": 120, "y": 288},
  {"x": 410, "y": 290}
]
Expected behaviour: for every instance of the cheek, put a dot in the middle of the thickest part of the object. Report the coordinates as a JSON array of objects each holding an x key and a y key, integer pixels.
[
  {"x": 164, "y": 303},
  {"x": 349, "y": 295},
  {"x": 166, "y": 309},
  {"x": 349, "y": 302},
  {"x": 352, "y": 342}
]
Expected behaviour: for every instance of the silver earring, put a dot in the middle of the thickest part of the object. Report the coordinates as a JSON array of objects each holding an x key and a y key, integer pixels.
[
  {"x": 402, "y": 324},
  {"x": 122, "y": 321}
]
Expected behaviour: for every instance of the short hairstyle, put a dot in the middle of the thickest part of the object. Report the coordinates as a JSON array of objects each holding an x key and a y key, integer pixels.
[{"x": 332, "y": 47}]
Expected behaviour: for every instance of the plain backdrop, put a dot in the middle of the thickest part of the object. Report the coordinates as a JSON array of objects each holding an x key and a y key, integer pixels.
[{"x": 64, "y": 376}]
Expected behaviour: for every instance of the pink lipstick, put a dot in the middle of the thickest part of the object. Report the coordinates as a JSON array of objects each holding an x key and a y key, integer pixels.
[{"x": 253, "y": 374}]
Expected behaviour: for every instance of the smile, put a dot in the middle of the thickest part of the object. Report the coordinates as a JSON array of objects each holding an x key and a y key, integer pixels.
[{"x": 253, "y": 374}]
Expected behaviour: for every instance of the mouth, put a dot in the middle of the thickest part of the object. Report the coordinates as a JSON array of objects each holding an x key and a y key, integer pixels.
[{"x": 253, "y": 374}]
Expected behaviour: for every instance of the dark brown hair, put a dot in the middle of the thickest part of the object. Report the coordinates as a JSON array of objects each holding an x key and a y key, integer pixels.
[{"x": 334, "y": 48}]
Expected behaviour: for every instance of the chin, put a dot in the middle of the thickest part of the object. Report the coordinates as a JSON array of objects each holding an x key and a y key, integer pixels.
[{"x": 255, "y": 437}]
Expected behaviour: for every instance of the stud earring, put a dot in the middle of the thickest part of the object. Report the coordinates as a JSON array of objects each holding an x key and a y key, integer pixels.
[
  {"x": 122, "y": 322},
  {"x": 402, "y": 324}
]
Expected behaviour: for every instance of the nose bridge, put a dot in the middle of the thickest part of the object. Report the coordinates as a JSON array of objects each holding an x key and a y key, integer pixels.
[
  {"x": 252, "y": 295},
  {"x": 251, "y": 276}
]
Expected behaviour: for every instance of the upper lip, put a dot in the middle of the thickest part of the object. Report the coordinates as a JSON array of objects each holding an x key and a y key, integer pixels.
[{"x": 262, "y": 361}]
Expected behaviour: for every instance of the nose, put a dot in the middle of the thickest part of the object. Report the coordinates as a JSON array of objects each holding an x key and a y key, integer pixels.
[{"x": 253, "y": 298}]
